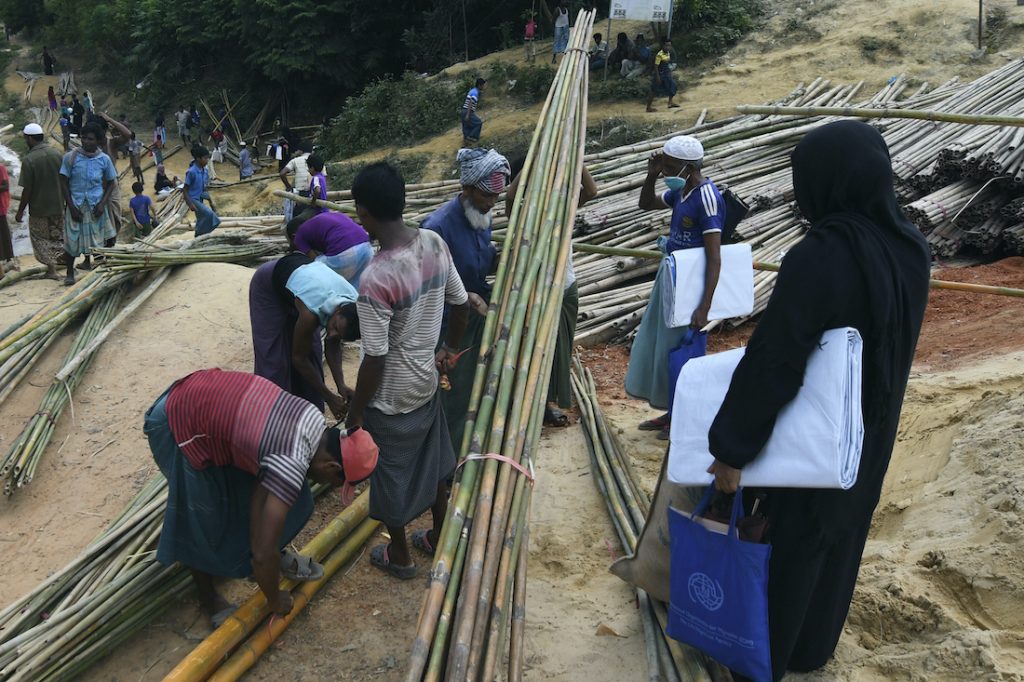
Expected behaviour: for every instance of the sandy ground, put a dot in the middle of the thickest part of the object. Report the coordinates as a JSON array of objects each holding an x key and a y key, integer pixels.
[
  {"x": 941, "y": 591},
  {"x": 361, "y": 626}
]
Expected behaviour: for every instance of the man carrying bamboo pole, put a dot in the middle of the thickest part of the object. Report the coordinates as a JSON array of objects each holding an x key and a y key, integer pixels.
[
  {"x": 464, "y": 223},
  {"x": 236, "y": 450},
  {"x": 559, "y": 386},
  {"x": 402, "y": 296}
]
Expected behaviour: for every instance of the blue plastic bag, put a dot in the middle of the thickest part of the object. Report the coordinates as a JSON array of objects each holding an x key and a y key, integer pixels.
[
  {"x": 693, "y": 345},
  {"x": 719, "y": 592}
]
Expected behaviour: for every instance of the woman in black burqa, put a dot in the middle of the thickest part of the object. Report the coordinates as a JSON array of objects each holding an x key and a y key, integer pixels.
[{"x": 861, "y": 265}]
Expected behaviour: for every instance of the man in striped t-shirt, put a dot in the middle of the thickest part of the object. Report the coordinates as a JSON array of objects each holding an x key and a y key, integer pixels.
[
  {"x": 236, "y": 450},
  {"x": 402, "y": 294},
  {"x": 471, "y": 123}
]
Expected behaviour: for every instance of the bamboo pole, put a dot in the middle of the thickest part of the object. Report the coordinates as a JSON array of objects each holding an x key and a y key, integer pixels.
[
  {"x": 72, "y": 364},
  {"x": 204, "y": 660},
  {"x": 862, "y": 112},
  {"x": 25, "y": 273},
  {"x": 260, "y": 641}
]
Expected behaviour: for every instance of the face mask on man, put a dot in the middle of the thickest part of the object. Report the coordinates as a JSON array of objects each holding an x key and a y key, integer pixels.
[{"x": 676, "y": 183}]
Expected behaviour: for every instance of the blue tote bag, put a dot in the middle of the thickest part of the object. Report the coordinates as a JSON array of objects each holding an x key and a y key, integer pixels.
[
  {"x": 693, "y": 345},
  {"x": 719, "y": 592}
]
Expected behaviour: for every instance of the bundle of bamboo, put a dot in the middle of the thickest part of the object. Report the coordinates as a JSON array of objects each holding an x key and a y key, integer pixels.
[
  {"x": 628, "y": 506},
  {"x": 479, "y": 569},
  {"x": 115, "y": 586},
  {"x": 19, "y": 464}
]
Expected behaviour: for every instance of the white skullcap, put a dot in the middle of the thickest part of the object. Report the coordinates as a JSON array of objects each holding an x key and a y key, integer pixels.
[
  {"x": 242, "y": 143},
  {"x": 684, "y": 148},
  {"x": 33, "y": 129}
]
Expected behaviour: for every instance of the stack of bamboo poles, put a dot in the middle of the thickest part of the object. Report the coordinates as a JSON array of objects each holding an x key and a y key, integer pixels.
[
  {"x": 477, "y": 586},
  {"x": 18, "y": 466},
  {"x": 23, "y": 343},
  {"x": 628, "y": 506},
  {"x": 952, "y": 178},
  {"x": 82, "y": 612}
]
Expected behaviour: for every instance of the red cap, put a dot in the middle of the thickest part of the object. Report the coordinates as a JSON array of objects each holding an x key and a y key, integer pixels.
[{"x": 358, "y": 458}]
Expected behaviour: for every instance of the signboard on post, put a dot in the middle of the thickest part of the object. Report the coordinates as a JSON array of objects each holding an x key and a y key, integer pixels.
[{"x": 641, "y": 10}]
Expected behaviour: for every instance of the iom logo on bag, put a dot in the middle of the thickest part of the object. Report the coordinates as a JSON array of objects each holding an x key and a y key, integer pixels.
[{"x": 706, "y": 591}]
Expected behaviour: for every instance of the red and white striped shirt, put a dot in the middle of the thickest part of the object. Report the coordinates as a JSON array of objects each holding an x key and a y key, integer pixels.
[{"x": 237, "y": 419}]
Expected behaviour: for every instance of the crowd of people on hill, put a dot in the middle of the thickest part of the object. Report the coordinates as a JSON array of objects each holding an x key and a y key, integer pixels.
[
  {"x": 73, "y": 199},
  {"x": 629, "y": 59}
]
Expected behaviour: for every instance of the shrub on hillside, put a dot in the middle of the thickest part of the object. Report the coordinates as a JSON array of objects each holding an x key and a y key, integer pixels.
[
  {"x": 618, "y": 88},
  {"x": 411, "y": 166},
  {"x": 390, "y": 112},
  {"x": 706, "y": 28}
]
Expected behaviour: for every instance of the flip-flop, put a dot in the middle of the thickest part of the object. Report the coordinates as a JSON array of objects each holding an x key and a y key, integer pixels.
[
  {"x": 379, "y": 558},
  {"x": 555, "y": 417},
  {"x": 656, "y": 424},
  {"x": 217, "y": 619},
  {"x": 300, "y": 568},
  {"x": 421, "y": 541}
]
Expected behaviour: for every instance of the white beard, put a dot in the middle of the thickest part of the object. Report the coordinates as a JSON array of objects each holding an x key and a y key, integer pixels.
[{"x": 479, "y": 221}]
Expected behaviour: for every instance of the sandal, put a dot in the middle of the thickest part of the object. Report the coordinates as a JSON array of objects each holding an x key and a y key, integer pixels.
[
  {"x": 656, "y": 424},
  {"x": 69, "y": 281},
  {"x": 379, "y": 558},
  {"x": 217, "y": 619},
  {"x": 555, "y": 417},
  {"x": 300, "y": 568},
  {"x": 665, "y": 433},
  {"x": 84, "y": 267},
  {"x": 421, "y": 541}
]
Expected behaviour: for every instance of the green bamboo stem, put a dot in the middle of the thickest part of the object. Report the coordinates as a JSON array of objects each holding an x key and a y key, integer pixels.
[
  {"x": 477, "y": 588},
  {"x": 18, "y": 275},
  {"x": 862, "y": 112}
]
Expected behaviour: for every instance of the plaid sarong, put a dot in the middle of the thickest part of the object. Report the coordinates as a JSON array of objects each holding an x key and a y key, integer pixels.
[
  {"x": 81, "y": 238},
  {"x": 415, "y": 455}
]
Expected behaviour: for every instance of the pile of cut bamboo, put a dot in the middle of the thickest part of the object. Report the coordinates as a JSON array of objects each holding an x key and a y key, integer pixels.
[
  {"x": 628, "y": 506},
  {"x": 18, "y": 466},
  {"x": 82, "y": 612},
  {"x": 477, "y": 591},
  {"x": 959, "y": 183}
]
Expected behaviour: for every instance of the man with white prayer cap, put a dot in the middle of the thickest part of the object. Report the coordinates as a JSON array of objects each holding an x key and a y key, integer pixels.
[
  {"x": 464, "y": 223},
  {"x": 698, "y": 217}
]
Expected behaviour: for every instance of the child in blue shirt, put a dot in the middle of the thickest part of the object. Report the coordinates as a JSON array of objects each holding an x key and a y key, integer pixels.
[{"x": 143, "y": 213}]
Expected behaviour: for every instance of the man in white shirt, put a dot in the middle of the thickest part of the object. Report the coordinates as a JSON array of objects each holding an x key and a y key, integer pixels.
[{"x": 298, "y": 170}]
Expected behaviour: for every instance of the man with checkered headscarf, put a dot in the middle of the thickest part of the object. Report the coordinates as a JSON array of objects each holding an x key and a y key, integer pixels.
[{"x": 465, "y": 225}]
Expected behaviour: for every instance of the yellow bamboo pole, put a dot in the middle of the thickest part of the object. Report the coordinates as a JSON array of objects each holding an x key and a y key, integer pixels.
[
  {"x": 260, "y": 641},
  {"x": 651, "y": 254},
  {"x": 212, "y": 651},
  {"x": 937, "y": 284},
  {"x": 308, "y": 201},
  {"x": 861, "y": 112}
]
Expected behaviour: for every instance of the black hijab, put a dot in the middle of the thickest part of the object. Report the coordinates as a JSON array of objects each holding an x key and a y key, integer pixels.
[{"x": 842, "y": 178}]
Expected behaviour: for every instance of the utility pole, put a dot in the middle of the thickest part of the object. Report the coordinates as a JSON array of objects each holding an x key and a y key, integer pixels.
[
  {"x": 981, "y": 21},
  {"x": 465, "y": 31}
]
